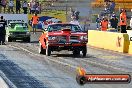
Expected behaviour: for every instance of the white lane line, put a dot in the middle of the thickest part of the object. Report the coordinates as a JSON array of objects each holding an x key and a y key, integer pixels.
[
  {"x": 6, "y": 82},
  {"x": 104, "y": 65},
  {"x": 3, "y": 83}
]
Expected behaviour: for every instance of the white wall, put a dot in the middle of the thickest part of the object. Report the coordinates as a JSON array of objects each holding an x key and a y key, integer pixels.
[{"x": 23, "y": 17}]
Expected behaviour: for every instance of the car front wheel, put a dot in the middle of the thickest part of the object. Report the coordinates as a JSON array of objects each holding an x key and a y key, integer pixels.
[
  {"x": 9, "y": 39},
  {"x": 76, "y": 52},
  {"x": 84, "y": 51},
  {"x": 48, "y": 50},
  {"x": 41, "y": 50}
]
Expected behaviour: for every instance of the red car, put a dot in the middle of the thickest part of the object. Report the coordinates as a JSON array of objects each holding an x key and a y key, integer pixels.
[{"x": 63, "y": 36}]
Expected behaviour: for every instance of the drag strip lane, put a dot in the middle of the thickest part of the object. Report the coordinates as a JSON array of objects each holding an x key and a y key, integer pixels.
[
  {"x": 73, "y": 62},
  {"x": 68, "y": 64}
]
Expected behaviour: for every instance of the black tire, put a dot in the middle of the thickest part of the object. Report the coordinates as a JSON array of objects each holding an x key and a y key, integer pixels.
[
  {"x": 84, "y": 51},
  {"x": 26, "y": 39},
  {"x": 48, "y": 50},
  {"x": 41, "y": 50},
  {"x": 9, "y": 39},
  {"x": 76, "y": 53}
]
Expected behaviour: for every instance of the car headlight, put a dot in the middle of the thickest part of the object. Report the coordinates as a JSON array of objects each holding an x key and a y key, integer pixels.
[
  {"x": 27, "y": 33},
  {"x": 83, "y": 37},
  {"x": 52, "y": 38}
]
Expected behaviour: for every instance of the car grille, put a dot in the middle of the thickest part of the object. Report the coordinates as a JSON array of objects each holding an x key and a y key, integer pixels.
[
  {"x": 62, "y": 38},
  {"x": 19, "y": 33},
  {"x": 73, "y": 37}
]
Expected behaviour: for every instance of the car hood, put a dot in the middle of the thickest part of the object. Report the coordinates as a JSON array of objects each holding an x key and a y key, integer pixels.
[{"x": 17, "y": 30}]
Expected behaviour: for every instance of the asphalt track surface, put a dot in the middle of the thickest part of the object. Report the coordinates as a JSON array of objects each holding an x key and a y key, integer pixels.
[{"x": 26, "y": 68}]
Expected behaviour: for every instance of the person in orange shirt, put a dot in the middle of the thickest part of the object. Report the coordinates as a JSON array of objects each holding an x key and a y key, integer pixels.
[
  {"x": 123, "y": 21},
  {"x": 104, "y": 24},
  {"x": 34, "y": 20}
]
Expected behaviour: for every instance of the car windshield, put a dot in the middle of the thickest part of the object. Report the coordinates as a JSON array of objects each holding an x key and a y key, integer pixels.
[
  {"x": 18, "y": 24},
  {"x": 59, "y": 27}
]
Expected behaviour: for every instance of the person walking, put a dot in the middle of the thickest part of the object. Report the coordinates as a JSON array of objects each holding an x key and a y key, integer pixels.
[
  {"x": 25, "y": 7},
  {"x": 123, "y": 21},
  {"x": 10, "y": 6},
  {"x": 18, "y": 6},
  {"x": 2, "y": 30},
  {"x": 34, "y": 20},
  {"x": 104, "y": 24},
  {"x": 98, "y": 22}
]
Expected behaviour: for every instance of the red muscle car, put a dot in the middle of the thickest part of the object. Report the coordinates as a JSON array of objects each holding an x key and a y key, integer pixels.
[{"x": 63, "y": 36}]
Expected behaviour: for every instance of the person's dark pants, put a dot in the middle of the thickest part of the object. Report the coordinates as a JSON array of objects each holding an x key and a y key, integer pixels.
[
  {"x": 25, "y": 10},
  {"x": 2, "y": 38},
  {"x": 114, "y": 27},
  {"x": 17, "y": 10},
  {"x": 123, "y": 29},
  {"x": 34, "y": 28}
]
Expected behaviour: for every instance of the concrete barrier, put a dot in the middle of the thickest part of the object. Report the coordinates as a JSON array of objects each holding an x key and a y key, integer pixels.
[{"x": 109, "y": 40}]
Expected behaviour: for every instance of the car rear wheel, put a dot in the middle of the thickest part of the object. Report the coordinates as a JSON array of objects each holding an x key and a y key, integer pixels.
[
  {"x": 84, "y": 51},
  {"x": 9, "y": 39},
  {"x": 48, "y": 50},
  {"x": 26, "y": 39},
  {"x": 41, "y": 50}
]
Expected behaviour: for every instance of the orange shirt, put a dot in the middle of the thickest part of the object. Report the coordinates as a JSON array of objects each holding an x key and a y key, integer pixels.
[
  {"x": 123, "y": 19},
  {"x": 104, "y": 25},
  {"x": 35, "y": 20}
]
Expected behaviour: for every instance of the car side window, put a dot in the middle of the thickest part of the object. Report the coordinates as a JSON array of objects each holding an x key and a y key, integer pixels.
[{"x": 76, "y": 28}]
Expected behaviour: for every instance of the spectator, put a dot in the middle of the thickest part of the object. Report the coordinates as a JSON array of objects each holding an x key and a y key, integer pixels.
[
  {"x": 77, "y": 14},
  {"x": 34, "y": 20},
  {"x": 32, "y": 7},
  {"x": 123, "y": 21},
  {"x": 72, "y": 13},
  {"x": 40, "y": 8},
  {"x": 18, "y": 6},
  {"x": 74, "y": 21},
  {"x": 11, "y": 5},
  {"x": 25, "y": 7},
  {"x": 37, "y": 9},
  {"x": 112, "y": 7},
  {"x": 98, "y": 22},
  {"x": 4, "y": 3},
  {"x": 114, "y": 22},
  {"x": 104, "y": 24}
]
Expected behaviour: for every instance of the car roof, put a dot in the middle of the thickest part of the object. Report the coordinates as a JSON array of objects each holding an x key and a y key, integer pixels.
[{"x": 16, "y": 22}]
